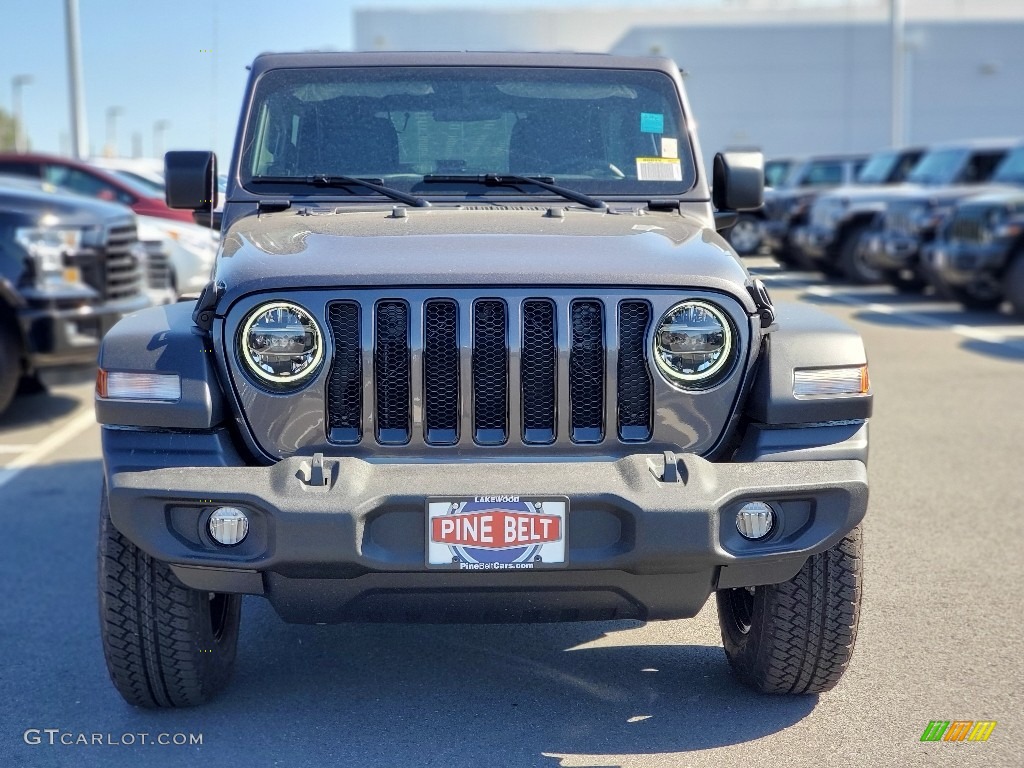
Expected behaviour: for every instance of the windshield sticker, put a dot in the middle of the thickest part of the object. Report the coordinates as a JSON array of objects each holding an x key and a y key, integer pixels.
[
  {"x": 658, "y": 169},
  {"x": 652, "y": 122},
  {"x": 669, "y": 147}
]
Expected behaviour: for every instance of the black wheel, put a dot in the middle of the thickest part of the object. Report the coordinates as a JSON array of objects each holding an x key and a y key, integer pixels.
[
  {"x": 165, "y": 645},
  {"x": 745, "y": 235},
  {"x": 1014, "y": 284},
  {"x": 853, "y": 264},
  {"x": 791, "y": 258},
  {"x": 798, "y": 636},
  {"x": 10, "y": 365}
]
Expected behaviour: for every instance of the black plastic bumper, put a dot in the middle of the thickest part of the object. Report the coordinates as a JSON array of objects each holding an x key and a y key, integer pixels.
[
  {"x": 57, "y": 335},
  {"x": 892, "y": 252},
  {"x": 963, "y": 264},
  {"x": 639, "y": 544}
]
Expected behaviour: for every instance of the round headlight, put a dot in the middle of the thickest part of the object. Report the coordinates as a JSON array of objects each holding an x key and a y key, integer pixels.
[
  {"x": 693, "y": 344},
  {"x": 281, "y": 343}
]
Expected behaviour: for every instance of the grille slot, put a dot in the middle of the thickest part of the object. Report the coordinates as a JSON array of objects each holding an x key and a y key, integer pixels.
[
  {"x": 537, "y": 373},
  {"x": 967, "y": 227},
  {"x": 490, "y": 372},
  {"x": 345, "y": 393},
  {"x": 634, "y": 376},
  {"x": 391, "y": 372},
  {"x": 586, "y": 372},
  {"x": 441, "y": 372}
]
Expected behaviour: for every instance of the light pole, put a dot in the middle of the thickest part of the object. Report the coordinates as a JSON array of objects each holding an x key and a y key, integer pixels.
[
  {"x": 17, "y": 82},
  {"x": 112, "y": 114},
  {"x": 898, "y": 136},
  {"x": 79, "y": 129},
  {"x": 158, "y": 136}
]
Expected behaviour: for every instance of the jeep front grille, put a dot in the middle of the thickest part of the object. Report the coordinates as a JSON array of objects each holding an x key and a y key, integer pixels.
[
  {"x": 969, "y": 226},
  {"x": 487, "y": 371}
]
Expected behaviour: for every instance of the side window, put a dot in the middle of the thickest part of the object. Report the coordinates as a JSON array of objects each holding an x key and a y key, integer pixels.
[
  {"x": 85, "y": 184},
  {"x": 19, "y": 168},
  {"x": 824, "y": 174},
  {"x": 982, "y": 165}
]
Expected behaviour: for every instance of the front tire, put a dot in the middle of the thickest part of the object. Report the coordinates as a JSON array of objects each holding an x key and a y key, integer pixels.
[
  {"x": 853, "y": 264},
  {"x": 165, "y": 645},
  {"x": 798, "y": 636},
  {"x": 1014, "y": 286},
  {"x": 745, "y": 235},
  {"x": 10, "y": 365}
]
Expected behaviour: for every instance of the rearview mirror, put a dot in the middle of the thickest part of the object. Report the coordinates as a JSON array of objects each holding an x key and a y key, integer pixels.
[{"x": 191, "y": 180}]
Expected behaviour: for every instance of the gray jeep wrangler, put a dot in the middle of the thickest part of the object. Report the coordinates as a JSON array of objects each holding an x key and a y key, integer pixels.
[{"x": 474, "y": 351}]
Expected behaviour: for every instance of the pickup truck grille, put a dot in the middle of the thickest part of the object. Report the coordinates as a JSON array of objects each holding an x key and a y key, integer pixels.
[
  {"x": 489, "y": 370},
  {"x": 123, "y": 274}
]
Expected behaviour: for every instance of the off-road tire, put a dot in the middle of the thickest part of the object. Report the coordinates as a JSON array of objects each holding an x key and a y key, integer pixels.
[
  {"x": 969, "y": 299},
  {"x": 165, "y": 645},
  {"x": 1014, "y": 285},
  {"x": 749, "y": 240},
  {"x": 10, "y": 366},
  {"x": 903, "y": 284},
  {"x": 798, "y": 636},
  {"x": 852, "y": 265}
]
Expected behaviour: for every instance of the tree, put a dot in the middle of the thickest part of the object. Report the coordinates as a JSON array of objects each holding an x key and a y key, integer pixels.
[{"x": 7, "y": 132}]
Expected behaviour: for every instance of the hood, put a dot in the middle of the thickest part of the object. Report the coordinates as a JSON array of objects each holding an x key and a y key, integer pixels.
[
  {"x": 31, "y": 205},
  {"x": 474, "y": 245},
  {"x": 939, "y": 195},
  {"x": 996, "y": 196}
]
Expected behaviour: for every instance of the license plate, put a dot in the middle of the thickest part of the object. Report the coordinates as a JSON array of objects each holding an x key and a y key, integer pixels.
[{"x": 496, "y": 533}]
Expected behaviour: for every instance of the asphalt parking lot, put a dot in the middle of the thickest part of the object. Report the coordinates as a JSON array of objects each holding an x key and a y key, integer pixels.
[{"x": 940, "y": 637}]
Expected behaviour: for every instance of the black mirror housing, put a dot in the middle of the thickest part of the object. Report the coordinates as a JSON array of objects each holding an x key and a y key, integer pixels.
[
  {"x": 738, "y": 181},
  {"x": 191, "y": 180}
]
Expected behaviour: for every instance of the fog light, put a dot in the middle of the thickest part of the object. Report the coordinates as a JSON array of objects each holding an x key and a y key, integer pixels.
[
  {"x": 754, "y": 520},
  {"x": 228, "y": 525}
]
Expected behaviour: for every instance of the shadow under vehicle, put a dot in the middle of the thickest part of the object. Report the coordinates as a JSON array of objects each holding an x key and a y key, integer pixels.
[
  {"x": 70, "y": 267},
  {"x": 475, "y": 351},
  {"x": 914, "y": 212},
  {"x": 832, "y": 240}
]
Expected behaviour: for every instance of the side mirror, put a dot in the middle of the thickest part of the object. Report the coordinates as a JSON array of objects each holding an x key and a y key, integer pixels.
[
  {"x": 738, "y": 181},
  {"x": 191, "y": 180}
]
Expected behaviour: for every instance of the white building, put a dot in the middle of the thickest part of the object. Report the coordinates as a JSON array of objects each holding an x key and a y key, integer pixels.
[{"x": 778, "y": 74}]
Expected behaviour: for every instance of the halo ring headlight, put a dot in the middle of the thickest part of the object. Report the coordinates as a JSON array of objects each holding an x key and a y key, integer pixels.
[
  {"x": 281, "y": 344},
  {"x": 694, "y": 344}
]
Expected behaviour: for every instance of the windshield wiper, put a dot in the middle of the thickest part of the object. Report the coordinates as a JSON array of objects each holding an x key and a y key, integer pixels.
[
  {"x": 323, "y": 180},
  {"x": 512, "y": 180}
]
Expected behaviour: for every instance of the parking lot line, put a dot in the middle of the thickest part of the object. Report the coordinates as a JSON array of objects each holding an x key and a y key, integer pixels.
[
  {"x": 65, "y": 434},
  {"x": 16, "y": 448}
]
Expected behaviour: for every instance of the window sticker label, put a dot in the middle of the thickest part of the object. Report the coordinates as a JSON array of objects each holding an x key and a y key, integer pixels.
[
  {"x": 669, "y": 147},
  {"x": 658, "y": 169},
  {"x": 652, "y": 122}
]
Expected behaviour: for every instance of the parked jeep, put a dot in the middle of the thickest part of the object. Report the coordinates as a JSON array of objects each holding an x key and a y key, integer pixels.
[
  {"x": 70, "y": 267},
  {"x": 913, "y": 215},
  {"x": 839, "y": 220},
  {"x": 474, "y": 351},
  {"x": 978, "y": 256},
  {"x": 786, "y": 207},
  {"x": 747, "y": 235}
]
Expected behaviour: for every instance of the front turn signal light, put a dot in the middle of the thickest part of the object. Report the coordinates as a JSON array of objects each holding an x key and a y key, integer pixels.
[
  {"x": 831, "y": 382},
  {"x": 124, "y": 385}
]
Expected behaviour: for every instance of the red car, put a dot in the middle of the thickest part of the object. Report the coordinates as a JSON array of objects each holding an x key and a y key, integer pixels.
[{"x": 85, "y": 179}]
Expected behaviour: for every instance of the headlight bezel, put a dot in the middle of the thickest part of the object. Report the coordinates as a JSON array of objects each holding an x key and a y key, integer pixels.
[
  {"x": 49, "y": 248},
  {"x": 272, "y": 382},
  {"x": 717, "y": 372}
]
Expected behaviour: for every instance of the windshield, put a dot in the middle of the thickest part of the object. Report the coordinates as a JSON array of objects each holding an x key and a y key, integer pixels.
[
  {"x": 887, "y": 167},
  {"x": 775, "y": 172},
  {"x": 939, "y": 167},
  {"x": 816, "y": 173},
  {"x": 1011, "y": 170},
  {"x": 598, "y": 131}
]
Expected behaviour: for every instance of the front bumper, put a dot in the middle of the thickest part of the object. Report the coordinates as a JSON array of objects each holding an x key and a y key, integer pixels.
[
  {"x": 814, "y": 242},
  {"x": 891, "y": 252},
  {"x": 964, "y": 264},
  {"x": 61, "y": 332},
  {"x": 638, "y": 545}
]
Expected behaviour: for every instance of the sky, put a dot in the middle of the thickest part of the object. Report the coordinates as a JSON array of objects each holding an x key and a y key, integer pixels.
[{"x": 182, "y": 61}]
